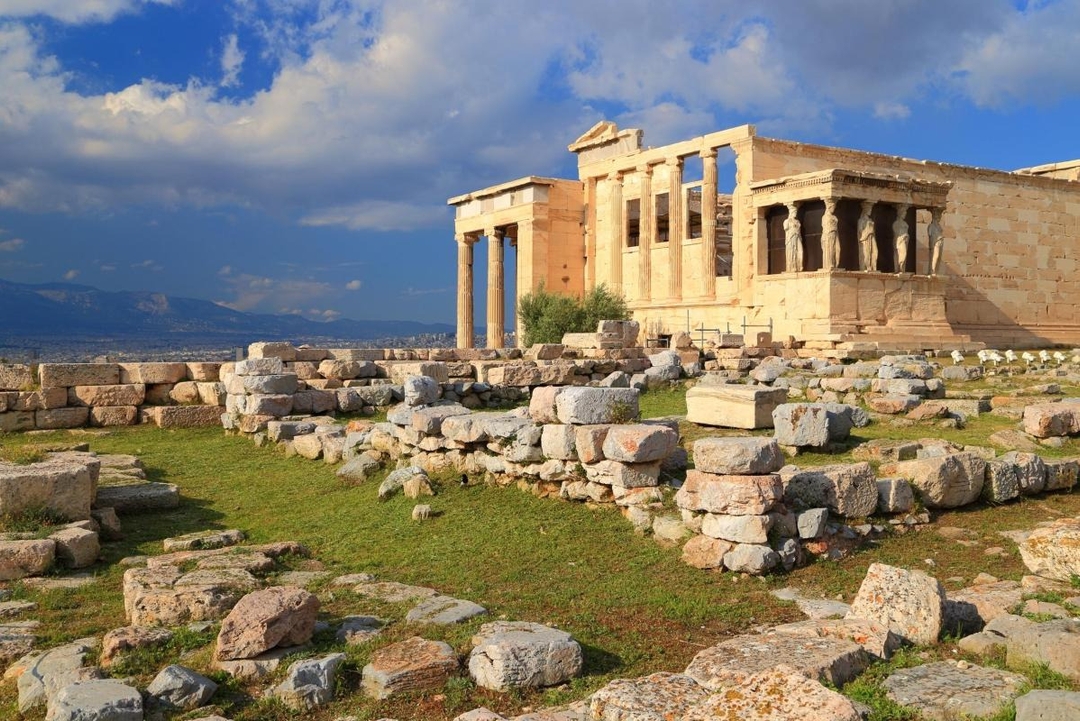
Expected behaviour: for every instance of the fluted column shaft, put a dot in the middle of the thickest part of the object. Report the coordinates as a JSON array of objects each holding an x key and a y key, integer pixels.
[
  {"x": 465, "y": 332},
  {"x": 590, "y": 232},
  {"x": 647, "y": 230},
  {"x": 524, "y": 248},
  {"x": 615, "y": 234},
  {"x": 496, "y": 313},
  {"x": 708, "y": 222},
  {"x": 676, "y": 231}
]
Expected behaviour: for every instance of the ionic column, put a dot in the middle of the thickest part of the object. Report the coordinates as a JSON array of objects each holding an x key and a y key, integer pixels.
[
  {"x": 616, "y": 231},
  {"x": 676, "y": 231},
  {"x": 647, "y": 229},
  {"x": 496, "y": 313},
  {"x": 465, "y": 332},
  {"x": 708, "y": 222},
  {"x": 524, "y": 247},
  {"x": 590, "y": 233}
]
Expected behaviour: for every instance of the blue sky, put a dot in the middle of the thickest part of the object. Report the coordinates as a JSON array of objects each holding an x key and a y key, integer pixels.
[{"x": 295, "y": 156}]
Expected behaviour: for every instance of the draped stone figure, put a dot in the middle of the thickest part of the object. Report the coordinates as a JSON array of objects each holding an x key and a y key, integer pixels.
[
  {"x": 793, "y": 239},
  {"x": 830, "y": 236},
  {"x": 867, "y": 238},
  {"x": 937, "y": 239},
  {"x": 901, "y": 236}
]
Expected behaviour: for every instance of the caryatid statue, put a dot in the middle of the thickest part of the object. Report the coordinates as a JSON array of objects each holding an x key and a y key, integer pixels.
[
  {"x": 830, "y": 235},
  {"x": 793, "y": 239},
  {"x": 867, "y": 238},
  {"x": 901, "y": 236},
  {"x": 937, "y": 239}
]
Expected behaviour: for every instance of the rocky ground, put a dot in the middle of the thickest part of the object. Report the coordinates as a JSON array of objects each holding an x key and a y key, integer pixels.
[{"x": 230, "y": 614}]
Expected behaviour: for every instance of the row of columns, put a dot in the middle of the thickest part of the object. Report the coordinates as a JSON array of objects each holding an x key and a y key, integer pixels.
[
  {"x": 496, "y": 285},
  {"x": 676, "y": 224}
]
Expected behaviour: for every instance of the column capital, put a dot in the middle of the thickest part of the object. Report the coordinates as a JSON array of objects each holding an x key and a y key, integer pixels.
[
  {"x": 647, "y": 169},
  {"x": 494, "y": 234},
  {"x": 615, "y": 175},
  {"x": 675, "y": 162},
  {"x": 708, "y": 153}
]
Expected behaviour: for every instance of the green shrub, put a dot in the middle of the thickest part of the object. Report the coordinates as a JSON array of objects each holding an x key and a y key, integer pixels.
[{"x": 546, "y": 316}]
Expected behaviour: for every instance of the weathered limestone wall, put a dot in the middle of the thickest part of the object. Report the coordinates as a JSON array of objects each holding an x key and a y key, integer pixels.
[{"x": 1012, "y": 242}]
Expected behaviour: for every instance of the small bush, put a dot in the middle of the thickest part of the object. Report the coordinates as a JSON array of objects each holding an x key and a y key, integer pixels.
[{"x": 547, "y": 316}]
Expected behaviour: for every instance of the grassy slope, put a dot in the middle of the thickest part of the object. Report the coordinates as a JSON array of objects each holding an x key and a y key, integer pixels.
[{"x": 630, "y": 601}]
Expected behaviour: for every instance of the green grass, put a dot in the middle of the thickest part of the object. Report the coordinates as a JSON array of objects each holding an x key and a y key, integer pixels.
[{"x": 630, "y": 601}]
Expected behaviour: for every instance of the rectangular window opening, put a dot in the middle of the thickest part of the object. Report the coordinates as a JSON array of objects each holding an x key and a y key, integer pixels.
[
  {"x": 633, "y": 223},
  {"x": 663, "y": 226},
  {"x": 693, "y": 212}
]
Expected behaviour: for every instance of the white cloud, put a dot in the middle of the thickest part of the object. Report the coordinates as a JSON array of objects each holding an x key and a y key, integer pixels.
[
  {"x": 373, "y": 118},
  {"x": 71, "y": 274},
  {"x": 254, "y": 292},
  {"x": 232, "y": 60},
  {"x": 379, "y": 215},
  {"x": 353, "y": 285},
  {"x": 1031, "y": 58},
  {"x": 891, "y": 111},
  {"x": 225, "y": 270},
  {"x": 10, "y": 246},
  {"x": 151, "y": 265},
  {"x": 75, "y": 11}
]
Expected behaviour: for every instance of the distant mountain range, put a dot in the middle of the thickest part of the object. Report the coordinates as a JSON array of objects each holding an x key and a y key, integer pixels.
[{"x": 59, "y": 310}]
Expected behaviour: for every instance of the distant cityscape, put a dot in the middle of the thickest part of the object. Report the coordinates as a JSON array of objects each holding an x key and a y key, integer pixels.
[{"x": 186, "y": 348}]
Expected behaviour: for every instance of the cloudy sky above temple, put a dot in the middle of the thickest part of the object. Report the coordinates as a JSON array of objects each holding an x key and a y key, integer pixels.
[{"x": 295, "y": 156}]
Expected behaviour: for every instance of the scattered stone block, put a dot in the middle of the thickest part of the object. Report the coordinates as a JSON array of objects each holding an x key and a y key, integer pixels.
[
  {"x": 639, "y": 443},
  {"x": 518, "y": 654},
  {"x": 751, "y": 558},
  {"x": 731, "y": 663},
  {"x": 1053, "y": 551},
  {"x": 848, "y": 490},
  {"x": 738, "y": 456},
  {"x": 393, "y": 592},
  {"x": 1061, "y": 473},
  {"x": 96, "y": 700},
  {"x": 894, "y": 495},
  {"x": 177, "y": 687},
  {"x": 875, "y": 638},
  {"x": 734, "y": 495},
  {"x": 704, "y": 552},
  {"x": 1044, "y": 420},
  {"x": 309, "y": 683},
  {"x": 355, "y": 630},
  {"x": 130, "y": 638},
  {"x": 42, "y": 668},
  {"x": 203, "y": 540},
  {"x": 948, "y": 481},
  {"x": 1040, "y": 705},
  {"x": 733, "y": 406},
  {"x": 76, "y": 547},
  {"x": 657, "y": 697},
  {"x": 63, "y": 484},
  {"x": 952, "y": 689},
  {"x": 737, "y": 529},
  {"x": 590, "y": 406},
  {"x": 412, "y": 665},
  {"x": 909, "y": 603},
  {"x": 968, "y": 610},
  {"x": 19, "y": 559},
  {"x": 167, "y": 597},
  {"x": 776, "y": 694},
  {"x": 444, "y": 611},
  {"x": 262, "y": 620},
  {"x": 139, "y": 497}
]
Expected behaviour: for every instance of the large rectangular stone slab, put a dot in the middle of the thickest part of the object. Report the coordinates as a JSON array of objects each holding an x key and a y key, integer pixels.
[
  {"x": 14, "y": 377},
  {"x": 153, "y": 372},
  {"x": 181, "y": 416},
  {"x": 64, "y": 375},
  {"x": 127, "y": 394},
  {"x": 733, "y": 406},
  {"x": 591, "y": 406},
  {"x": 58, "y": 418}
]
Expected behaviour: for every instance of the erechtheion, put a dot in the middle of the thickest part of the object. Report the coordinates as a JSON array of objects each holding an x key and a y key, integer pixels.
[{"x": 828, "y": 245}]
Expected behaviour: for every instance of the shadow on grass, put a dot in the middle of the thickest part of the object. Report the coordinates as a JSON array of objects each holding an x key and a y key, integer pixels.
[{"x": 599, "y": 662}]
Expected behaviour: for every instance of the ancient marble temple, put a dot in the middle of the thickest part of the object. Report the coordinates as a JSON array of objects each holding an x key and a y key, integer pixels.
[{"x": 731, "y": 231}]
